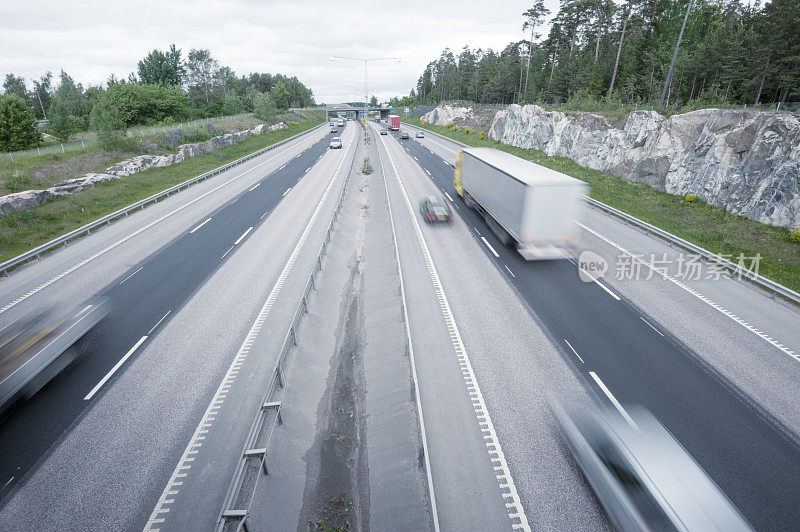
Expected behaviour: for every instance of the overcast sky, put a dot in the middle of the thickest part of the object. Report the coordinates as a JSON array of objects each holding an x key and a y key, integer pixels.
[{"x": 91, "y": 40}]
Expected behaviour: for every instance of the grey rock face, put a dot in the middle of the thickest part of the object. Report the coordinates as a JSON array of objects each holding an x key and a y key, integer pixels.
[
  {"x": 747, "y": 162},
  {"x": 33, "y": 198}
]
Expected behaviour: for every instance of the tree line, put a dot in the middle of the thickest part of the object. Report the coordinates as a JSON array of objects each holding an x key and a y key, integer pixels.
[
  {"x": 166, "y": 88},
  {"x": 655, "y": 52}
]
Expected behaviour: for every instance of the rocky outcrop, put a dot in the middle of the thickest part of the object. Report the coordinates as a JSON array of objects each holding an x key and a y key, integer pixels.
[
  {"x": 33, "y": 198},
  {"x": 747, "y": 162}
]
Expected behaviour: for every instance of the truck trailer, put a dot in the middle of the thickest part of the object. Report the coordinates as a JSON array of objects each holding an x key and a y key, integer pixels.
[
  {"x": 526, "y": 205},
  {"x": 394, "y": 122}
]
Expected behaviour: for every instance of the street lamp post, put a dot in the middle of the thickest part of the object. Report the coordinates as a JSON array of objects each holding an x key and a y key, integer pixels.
[{"x": 366, "y": 82}]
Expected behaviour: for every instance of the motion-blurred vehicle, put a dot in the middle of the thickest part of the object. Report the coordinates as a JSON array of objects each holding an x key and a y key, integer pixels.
[
  {"x": 384, "y": 132},
  {"x": 336, "y": 143},
  {"x": 36, "y": 347},
  {"x": 394, "y": 122},
  {"x": 403, "y": 135},
  {"x": 420, "y": 134},
  {"x": 341, "y": 122},
  {"x": 525, "y": 205},
  {"x": 435, "y": 209},
  {"x": 642, "y": 476}
]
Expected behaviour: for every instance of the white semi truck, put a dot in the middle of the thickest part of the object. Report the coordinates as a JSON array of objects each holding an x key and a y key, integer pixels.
[{"x": 526, "y": 205}]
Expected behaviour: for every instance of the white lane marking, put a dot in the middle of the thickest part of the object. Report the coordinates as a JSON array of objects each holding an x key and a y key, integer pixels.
[
  {"x": 573, "y": 350},
  {"x": 138, "y": 231},
  {"x": 613, "y": 400},
  {"x": 429, "y": 173},
  {"x": 265, "y": 213},
  {"x": 282, "y": 167},
  {"x": 428, "y": 473},
  {"x": 488, "y": 245},
  {"x": 131, "y": 275},
  {"x": 199, "y": 226},
  {"x": 184, "y": 465},
  {"x": 114, "y": 369},
  {"x": 651, "y": 326},
  {"x": 286, "y": 191},
  {"x": 308, "y": 169},
  {"x": 476, "y": 230},
  {"x": 226, "y": 253},
  {"x": 7, "y": 483},
  {"x": 701, "y": 297},
  {"x": 448, "y": 195},
  {"x": 159, "y": 322},
  {"x": 234, "y": 201},
  {"x": 243, "y": 235},
  {"x": 509, "y": 271},
  {"x": 495, "y": 450},
  {"x": 601, "y": 285},
  {"x": 255, "y": 186},
  {"x": 415, "y": 158}
]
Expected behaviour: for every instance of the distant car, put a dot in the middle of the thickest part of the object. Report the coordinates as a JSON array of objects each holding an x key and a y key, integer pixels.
[
  {"x": 403, "y": 135},
  {"x": 334, "y": 131},
  {"x": 336, "y": 143},
  {"x": 435, "y": 209},
  {"x": 384, "y": 132},
  {"x": 420, "y": 135},
  {"x": 642, "y": 476}
]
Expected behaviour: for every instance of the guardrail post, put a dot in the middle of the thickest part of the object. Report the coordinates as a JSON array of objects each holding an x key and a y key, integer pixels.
[{"x": 279, "y": 374}]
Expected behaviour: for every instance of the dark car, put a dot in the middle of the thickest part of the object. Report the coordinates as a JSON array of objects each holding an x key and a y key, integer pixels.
[
  {"x": 403, "y": 135},
  {"x": 435, "y": 209},
  {"x": 384, "y": 132}
]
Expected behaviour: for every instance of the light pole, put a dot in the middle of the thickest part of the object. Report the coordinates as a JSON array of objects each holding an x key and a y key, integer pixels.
[{"x": 366, "y": 82}]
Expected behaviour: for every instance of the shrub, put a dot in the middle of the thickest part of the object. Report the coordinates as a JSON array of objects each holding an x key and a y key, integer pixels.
[
  {"x": 106, "y": 121},
  {"x": 264, "y": 106},
  {"x": 17, "y": 124},
  {"x": 482, "y": 135},
  {"x": 171, "y": 139},
  {"x": 142, "y": 103},
  {"x": 794, "y": 234},
  {"x": 691, "y": 198}
]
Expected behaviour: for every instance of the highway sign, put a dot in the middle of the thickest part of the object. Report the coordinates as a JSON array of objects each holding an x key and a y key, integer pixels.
[{"x": 405, "y": 110}]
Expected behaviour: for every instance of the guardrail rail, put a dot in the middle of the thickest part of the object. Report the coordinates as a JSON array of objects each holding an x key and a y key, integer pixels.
[
  {"x": 106, "y": 220},
  {"x": 767, "y": 284}
]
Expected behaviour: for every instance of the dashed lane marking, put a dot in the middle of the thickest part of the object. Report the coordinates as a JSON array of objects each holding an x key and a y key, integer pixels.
[
  {"x": 613, "y": 400},
  {"x": 701, "y": 297},
  {"x": 286, "y": 191},
  {"x": 243, "y": 236},
  {"x": 488, "y": 245},
  {"x": 255, "y": 186},
  {"x": 446, "y": 194},
  {"x": 199, "y": 226},
  {"x": 651, "y": 326},
  {"x": 573, "y": 350},
  {"x": 131, "y": 275},
  {"x": 509, "y": 271},
  {"x": 159, "y": 322},
  {"x": 503, "y": 474},
  {"x": 114, "y": 369},
  {"x": 184, "y": 465},
  {"x": 87, "y": 260}
]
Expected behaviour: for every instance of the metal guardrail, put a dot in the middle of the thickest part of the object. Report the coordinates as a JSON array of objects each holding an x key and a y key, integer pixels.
[
  {"x": 253, "y": 461},
  {"x": 106, "y": 220},
  {"x": 767, "y": 284}
]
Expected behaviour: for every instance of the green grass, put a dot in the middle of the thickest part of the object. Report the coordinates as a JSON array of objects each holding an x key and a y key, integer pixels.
[
  {"x": 24, "y": 230},
  {"x": 705, "y": 225}
]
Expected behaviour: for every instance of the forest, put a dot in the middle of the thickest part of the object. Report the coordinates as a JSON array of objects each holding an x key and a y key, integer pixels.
[
  {"x": 657, "y": 53},
  {"x": 165, "y": 89}
]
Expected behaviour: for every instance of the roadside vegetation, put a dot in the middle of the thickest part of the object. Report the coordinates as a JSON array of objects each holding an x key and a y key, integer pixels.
[
  {"x": 687, "y": 217},
  {"x": 26, "y": 229},
  {"x": 600, "y": 55}
]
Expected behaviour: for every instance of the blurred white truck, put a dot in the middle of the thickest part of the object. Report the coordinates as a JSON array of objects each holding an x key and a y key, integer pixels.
[{"x": 526, "y": 205}]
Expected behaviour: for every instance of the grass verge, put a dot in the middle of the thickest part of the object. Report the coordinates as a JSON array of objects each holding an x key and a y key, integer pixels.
[
  {"x": 24, "y": 230},
  {"x": 707, "y": 226}
]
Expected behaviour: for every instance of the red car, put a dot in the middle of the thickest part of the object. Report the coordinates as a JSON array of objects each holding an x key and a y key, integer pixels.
[{"x": 435, "y": 209}]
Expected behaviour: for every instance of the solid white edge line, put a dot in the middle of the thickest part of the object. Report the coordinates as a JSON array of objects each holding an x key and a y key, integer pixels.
[
  {"x": 488, "y": 245},
  {"x": 183, "y": 466},
  {"x": 255, "y": 187},
  {"x": 651, "y": 326},
  {"x": 114, "y": 369},
  {"x": 701, "y": 297},
  {"x": 243, "y": 235},
  {"x": 505, "y": 479},
  {"x": 199, "y": 226},
  {"x": 286, "y": 191},
  {"x": 159, "y": 322},
  {"x": 573, "y": 350},
  {"x": 131, "y": 275},
  {"x": 146, "y": 227},
  {"x": 613, "y": 400},
  {"x": 423, "y": 436}
]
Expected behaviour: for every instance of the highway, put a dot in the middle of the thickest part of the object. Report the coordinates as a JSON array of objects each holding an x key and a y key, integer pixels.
[{"x": 145, "y": 429}]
